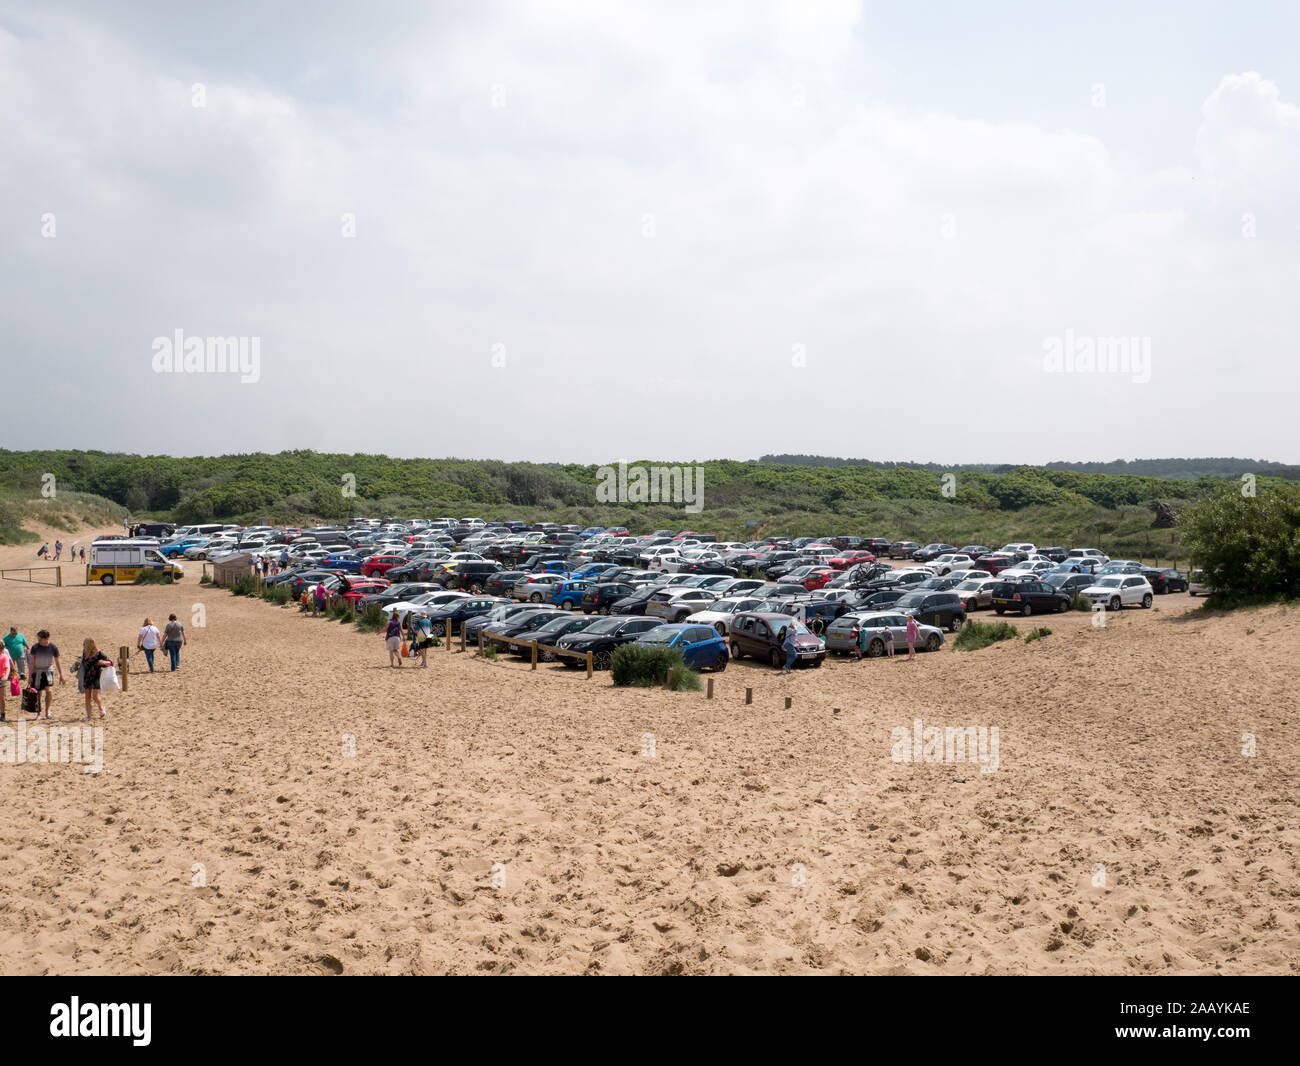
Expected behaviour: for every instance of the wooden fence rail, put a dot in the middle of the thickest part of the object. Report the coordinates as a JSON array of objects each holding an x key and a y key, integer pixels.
[{"x": 534, "y": 647}]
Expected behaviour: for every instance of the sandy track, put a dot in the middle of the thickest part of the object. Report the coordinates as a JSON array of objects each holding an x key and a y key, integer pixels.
[{"x": 1118, "y": 746}]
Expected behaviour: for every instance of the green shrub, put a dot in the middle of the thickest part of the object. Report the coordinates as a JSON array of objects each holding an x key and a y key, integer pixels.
[
  {"x": 680, "y": 679},
  {"x": 648, "y": 667},
  {"x": 1080, "y": 602},
  {"x": 1038, "y": 634},
  {"x": 1248, "y": 546},
  {"x": 245, "y": 585},
  {"x": 490, "y": 651},
  {"x": 372, "y": 619},
  {"x": 340, "y": 610},
  {"x": 152, "y": 577},
  {"x": 206, "y": 579},
  {"x": 975, "y": 635}
]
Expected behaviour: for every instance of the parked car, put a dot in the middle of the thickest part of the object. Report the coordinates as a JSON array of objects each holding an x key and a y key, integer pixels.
[
  {"x": 902, "y": 549},
  {"x": 379, "y": 564},
  {"x": 568, "y": 594},
  {"x": 701, "y": 647},
  {"x": 603, "y": 636},
  {"x": 458, "y": 612},
  {"x": 942, "y": 609},
  {"x": 1120, "y": 590},
  {"x": 719, "y": 613},
  {"x": 678, "y": 604},
  {"x": 1070, "y": 584},
  {"x": 547, "y": 630},
  {"x": 472, "y": 576},
  {"x": 537, "y": 588},
  {"x": 1027, "y": 596},
  {"x": 843, "y": 635},
  {"x": 931, "y": 551},
  {"x": 599, "y": 596},
  {"x": 1198, "y": 584},
  {"x": 758, "y": 635},
  {"x": 1056, "y": 554},
  {"x": 949, "y": 561},
  {"x": 975, "y": 593}
]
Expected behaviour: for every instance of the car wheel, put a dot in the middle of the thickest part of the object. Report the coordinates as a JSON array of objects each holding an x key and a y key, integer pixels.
[
  {"x": 601, "y": 660},
  {"x": 1146, "y": 600},
  {"x": 876, "y": 649},
  {"x": 932, "y": 642},
  {"x": 1062, "y": 606},
  {"x": 735, "y": 651},
  {"x": 970, "y": 605},
  {"x": 1115, "y": 604},
  {"x": 955, "y": 625},
  {"x": 567, "y": 605},
  {"x": 536, "y": 597},
  {"x": 107, "y": 579},
  {"x": 1000, "y": 610},
  {"x": 1026, "y": 608},
  {"x": 603, "y": 609},
  {"x": 720, "y": 663}
]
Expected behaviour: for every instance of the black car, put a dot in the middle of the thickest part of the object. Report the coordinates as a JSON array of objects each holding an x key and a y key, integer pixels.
[
  {"x": 902, "y": 549},
  {"x": 1028, "y": 597},
  {"x": 547, "y": 631},
  {"x": 522, "y": 620},
  {"x": 1069, "y": 583},
  {"x": 878, "y": 546},
  {"x": 1158, "y": 578},
  {"x": 603, "y": 595},
  {"x": 1055, "y": 553},
  {"x": 932, "y": 550},
  {"x": 396, "y": 594},
  {"x": 500, "y": 583},
  {"x": 499, "y": 613},
  {"x": 942, "y": 609},
  {"x": 878, "y": 599},
  {"x": 634, "y": 602},
  {"x": 603, "y": 636},
  {"x": 707, "y": 566},
  {"x": 471, "y": 576},
  {"x": 461, "y": 611},
  {"x": 976, "y": 550},
  {"x": 1175, "y": 580}
]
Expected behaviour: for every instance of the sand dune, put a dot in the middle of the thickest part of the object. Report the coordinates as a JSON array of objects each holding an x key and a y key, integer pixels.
[{"x": 756, "y": 840}]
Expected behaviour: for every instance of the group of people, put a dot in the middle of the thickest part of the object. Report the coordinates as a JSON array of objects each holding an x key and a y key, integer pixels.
[
  {"x": 271, "y": 564},
  {"x": 788, "y": 635},
  {"x": 33, "y": 668},
  {"x": 416, "y": 632},
  {"x": 43, "y": 552}
]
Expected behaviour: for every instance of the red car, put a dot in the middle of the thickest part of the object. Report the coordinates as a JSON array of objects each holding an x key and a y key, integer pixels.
[
  {"x": 996, "y": 563},
  {"x": 817, "y": 578},
  {"x": 851, "y": 558},
  {"x": 364, "y": 587},
  {"x": 380, "y": 564}
]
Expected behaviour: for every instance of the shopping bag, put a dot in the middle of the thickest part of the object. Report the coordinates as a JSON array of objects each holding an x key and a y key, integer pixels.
[{"x": 108, "y": 681}]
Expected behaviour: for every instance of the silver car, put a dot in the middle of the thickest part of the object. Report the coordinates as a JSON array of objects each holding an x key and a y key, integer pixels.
[{"x": 844, "y": 634}]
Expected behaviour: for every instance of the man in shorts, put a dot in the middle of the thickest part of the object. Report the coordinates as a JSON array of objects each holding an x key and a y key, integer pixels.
[{"x": 44, "y": 661}]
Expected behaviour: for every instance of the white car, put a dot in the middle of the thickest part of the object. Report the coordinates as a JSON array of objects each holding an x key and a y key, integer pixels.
[
  {"x": 947, "y": 563},
  {"x": 720, "y": 613},
  {"x": 1087, "y": 555},
  {"x": 976, "y": 592},
  {"x": 1114, "y": 591},
  {"x": 1196, "y": 584},
  {"x": 659, "y": 558}
]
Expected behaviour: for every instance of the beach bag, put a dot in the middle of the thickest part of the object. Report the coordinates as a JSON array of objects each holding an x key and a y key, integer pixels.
[
  {"x": 108, "y": 681},
  {"x": 31, "y": 701},
  {"x": 406, "y": 650},
  {"x": 15, "y": 688}
]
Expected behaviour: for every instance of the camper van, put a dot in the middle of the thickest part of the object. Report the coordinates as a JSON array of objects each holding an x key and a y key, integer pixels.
[{"x": 112, "y": 561}]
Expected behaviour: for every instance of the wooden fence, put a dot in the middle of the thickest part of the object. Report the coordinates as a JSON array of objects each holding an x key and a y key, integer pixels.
[{"x": 534, "y": 647}]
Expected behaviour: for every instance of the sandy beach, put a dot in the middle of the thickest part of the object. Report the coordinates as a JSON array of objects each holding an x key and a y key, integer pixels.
[{"x": 286, "y": 803}]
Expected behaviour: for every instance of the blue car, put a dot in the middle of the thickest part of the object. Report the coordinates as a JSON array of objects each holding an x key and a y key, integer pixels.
[
  {"x": 345, "y": 561},
  {"x": 568, "y": 594},
  {"x": 591, "y": 531},
  {"x": 702, "y": 647},
  {"x": 173, "y": 550},
  {"x": 590, "y": 570}
]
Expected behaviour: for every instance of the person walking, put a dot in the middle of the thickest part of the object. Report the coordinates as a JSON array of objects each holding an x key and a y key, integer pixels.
[
  {"x": 16, "y": 645},
  {"x": 58, "y": 550},
  {"x": 83, "y": 553},
  {"x": 147, "y": 640},
  {"x": 789, "y": 644},
  {"x": 422, "y": 631},
  {"x": 7, "y": 670},
  {"x": 174, "y": 639},
  {"x": 43, "y": 551},
  {"x": 393, "y": 640},
  {"x": 44, "y": 660},
  {"x": 913, "y": 631},
  {"x": 92, "y": 663}
]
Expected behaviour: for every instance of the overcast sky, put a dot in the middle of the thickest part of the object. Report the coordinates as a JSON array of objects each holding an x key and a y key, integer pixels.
[{"x": 682, "y": 231}]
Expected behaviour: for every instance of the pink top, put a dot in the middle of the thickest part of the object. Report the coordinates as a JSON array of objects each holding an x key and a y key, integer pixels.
[{"x": 911, "y": 628}]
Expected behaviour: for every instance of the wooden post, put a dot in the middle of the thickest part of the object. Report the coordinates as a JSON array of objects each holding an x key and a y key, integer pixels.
[
  {"x": 449, "y": 634},
  {"x": 534, "y": 644},
  {"x": 480, "y": 640},
  {"x": 124, "y": 666},
  {"x": 589, "y": 666},
  {"x": 709, "y": 690},
  {"x": 788, "y": 701},
  {"x": 749, "y": 696},
  {"x": 58, "y": 577}
]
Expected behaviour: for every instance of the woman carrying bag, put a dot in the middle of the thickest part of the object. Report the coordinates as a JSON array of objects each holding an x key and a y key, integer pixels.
[{"x": 96, "y": 668}]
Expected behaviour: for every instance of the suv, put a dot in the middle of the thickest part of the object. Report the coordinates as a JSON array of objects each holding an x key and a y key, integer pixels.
[
  {"x": 603, "y": 636},
  {"x": 1028, "y": 596},
  {"x": 598, "y": 597},
  {"x": 932, "y": 550},
  {"x": 678, "y": 604},
  {"x": 473, "y": 577},
  {"x": 945, "y": 610},
  {"x": 759, "y": 635},
  {"x": 1120, "y": 590}
]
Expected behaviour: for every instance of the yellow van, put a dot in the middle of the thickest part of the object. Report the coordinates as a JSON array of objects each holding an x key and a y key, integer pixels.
[{"x": 112, "y": 561}]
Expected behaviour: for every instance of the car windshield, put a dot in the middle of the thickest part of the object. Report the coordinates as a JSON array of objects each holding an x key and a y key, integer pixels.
[
  {"x": 1109, "y": 582},
  {"x": 910, "y": 601},
  {"x": 604, "y": 625},
  {"x": 662, "y": 635},
  {"x": 969, "y": 586},
  {"x": 562, "y": 622}
]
